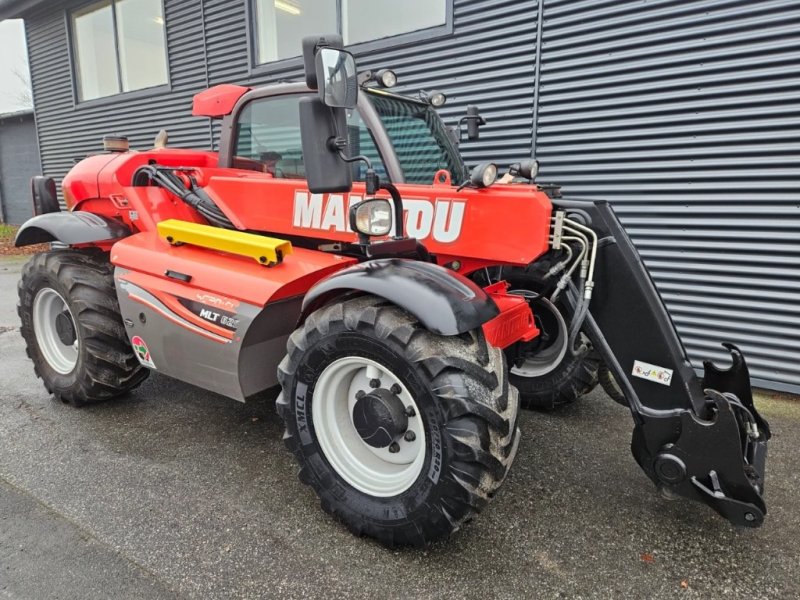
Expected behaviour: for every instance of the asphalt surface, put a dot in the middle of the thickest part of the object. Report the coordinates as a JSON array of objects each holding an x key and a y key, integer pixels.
[{"x": 176, "y": 492}]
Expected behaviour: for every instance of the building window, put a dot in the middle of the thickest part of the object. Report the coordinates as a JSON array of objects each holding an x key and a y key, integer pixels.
[
  {"x": 118, "y": 46},
  {"x": 364, "y": 20},
  {"x": 282, "y": 24}
]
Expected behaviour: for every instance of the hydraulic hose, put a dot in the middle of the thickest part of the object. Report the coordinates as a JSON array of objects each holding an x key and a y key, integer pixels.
[{"x": 195, "y": 196}]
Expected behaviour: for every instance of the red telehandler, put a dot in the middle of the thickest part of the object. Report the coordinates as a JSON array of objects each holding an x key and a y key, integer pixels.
[{"x": 337, "y": 246}]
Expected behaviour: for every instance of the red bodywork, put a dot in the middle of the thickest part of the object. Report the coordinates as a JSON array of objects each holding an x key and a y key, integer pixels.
[{"x": 465, "y": 230}]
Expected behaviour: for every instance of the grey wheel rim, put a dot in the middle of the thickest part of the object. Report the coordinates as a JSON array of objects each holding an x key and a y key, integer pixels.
[
  {"x": 550, "y": 358},
  {"x": 374, "y": 471},
  {"x": 49, "y": 307}
]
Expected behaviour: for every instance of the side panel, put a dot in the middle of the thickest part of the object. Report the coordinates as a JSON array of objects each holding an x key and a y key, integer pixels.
[
  {"x": 502, "y": 224},
  {"x": 215, "y": 272},
  {"x": 229, "y": 347},
  {"x": 212, "y": 319},
  {"x": 80, "y": 183}
]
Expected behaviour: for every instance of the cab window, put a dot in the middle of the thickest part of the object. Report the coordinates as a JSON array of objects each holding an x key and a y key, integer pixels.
[{"x": 268, "y": 139}]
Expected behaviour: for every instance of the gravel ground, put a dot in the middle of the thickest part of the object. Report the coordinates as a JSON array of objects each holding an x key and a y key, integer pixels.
[{"x": 173, "y": 491}]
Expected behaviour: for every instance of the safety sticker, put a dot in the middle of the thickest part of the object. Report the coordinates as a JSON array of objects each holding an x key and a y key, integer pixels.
[
  {"x": 142, "y": 352},
  {"x": 652, "y": 372}
]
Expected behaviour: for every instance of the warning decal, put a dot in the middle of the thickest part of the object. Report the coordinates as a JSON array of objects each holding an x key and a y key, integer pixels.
[
  {"x": 142, "y": 351},
  {"x": 650, "y": 372}
]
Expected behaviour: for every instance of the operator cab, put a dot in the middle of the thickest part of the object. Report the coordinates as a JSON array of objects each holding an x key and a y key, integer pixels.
[{"x": 266, "y": 137}]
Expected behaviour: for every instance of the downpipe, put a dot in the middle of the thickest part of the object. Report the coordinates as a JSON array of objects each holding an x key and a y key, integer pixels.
[{"x": 701, "y": 438}]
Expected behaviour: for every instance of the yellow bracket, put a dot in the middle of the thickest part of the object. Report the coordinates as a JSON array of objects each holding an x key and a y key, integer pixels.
[{"x": 264, "y": 250}]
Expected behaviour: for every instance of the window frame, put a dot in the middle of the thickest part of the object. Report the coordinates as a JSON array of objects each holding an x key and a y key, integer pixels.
[
  {"x": 287, "y": 64},
  {"x": 112, "y": 98}
]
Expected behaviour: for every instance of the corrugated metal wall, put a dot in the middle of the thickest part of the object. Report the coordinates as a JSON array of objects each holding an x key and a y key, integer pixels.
[
  {"x": 489, "y": 59},
  {"x": 686, "y": 116}
]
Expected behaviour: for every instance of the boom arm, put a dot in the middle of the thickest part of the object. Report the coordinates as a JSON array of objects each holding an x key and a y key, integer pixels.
[{"x": 698, "y": 438}]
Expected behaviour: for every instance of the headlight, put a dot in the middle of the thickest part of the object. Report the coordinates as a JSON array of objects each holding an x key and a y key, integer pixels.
[{"x": 372, "y": 217}]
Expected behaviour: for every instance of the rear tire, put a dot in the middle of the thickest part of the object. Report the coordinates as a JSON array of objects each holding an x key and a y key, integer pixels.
[
  {"x": 72, "y": 327},
  {"x": 565, "y": 380},
  {"x": 465, "y": 411}
]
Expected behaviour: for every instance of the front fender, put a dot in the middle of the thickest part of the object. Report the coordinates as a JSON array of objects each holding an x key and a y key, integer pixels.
[
  {"x": 445, "y": 302},
  {"x": 70, "y": 228}
]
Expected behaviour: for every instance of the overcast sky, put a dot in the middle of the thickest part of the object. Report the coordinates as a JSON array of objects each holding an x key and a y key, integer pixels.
[{"x": 13, "y": 62}]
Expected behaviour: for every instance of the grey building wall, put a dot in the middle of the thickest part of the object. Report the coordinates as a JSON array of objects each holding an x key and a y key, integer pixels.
[
  {"x": 683, "y": 113},
  {"x": 19, "y": 161},
  {"x": 208, "y": 44},
  {"x": 686, "y": 116}
]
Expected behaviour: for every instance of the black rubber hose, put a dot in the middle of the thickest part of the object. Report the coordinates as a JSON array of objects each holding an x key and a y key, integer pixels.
[
  {"x": 195, "y": 197},
  {"x": 579, "y": 316}
]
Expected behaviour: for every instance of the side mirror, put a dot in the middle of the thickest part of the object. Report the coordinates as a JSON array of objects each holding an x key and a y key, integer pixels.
[
  {"x": 321, "y": 131},
  {"x": 336, "y": 78},
  {"x": 323, "y": 122}
]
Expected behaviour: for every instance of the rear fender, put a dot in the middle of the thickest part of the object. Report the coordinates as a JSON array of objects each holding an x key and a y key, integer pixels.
[
  {"x": 445, "y": 302},
  {"x": 70, "y": 228}
]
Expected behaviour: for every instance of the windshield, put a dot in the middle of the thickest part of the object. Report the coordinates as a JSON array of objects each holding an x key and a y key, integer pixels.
[
  {"x": 268, "y": 139},
  {"x": 419, "y": 138}
]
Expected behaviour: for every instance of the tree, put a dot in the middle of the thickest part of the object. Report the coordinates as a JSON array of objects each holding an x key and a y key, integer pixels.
[{"x": 24, "y": 95}]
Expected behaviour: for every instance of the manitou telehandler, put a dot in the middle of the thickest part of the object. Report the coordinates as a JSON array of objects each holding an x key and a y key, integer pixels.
[{"x": 337, "y": 245}]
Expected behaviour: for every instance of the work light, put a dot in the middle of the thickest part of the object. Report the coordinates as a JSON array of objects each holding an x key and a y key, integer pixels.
[
  {"x": 436, "y": 98},
  {"x": 386, "y": 77},
  {"x": 483, "y": 175}
]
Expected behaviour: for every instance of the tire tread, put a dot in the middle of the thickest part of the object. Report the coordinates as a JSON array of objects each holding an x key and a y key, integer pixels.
[
  {"x": 477, "y": 403},
  {"x": 109, "y": 365}
]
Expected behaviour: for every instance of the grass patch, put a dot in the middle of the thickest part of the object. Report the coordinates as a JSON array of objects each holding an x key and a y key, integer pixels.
[{"x": 7, "y": 231}]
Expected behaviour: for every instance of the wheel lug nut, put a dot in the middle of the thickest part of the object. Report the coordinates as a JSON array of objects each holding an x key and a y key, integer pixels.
[
  {"x": 394, "y": 447},
  {"x": 395, "y": 389},
  {"x": 374, "y": 383},
  {"x": 409, "y": 436},
  {"x": 360, "y": 394},
  {"x": 410, "y": 412}
]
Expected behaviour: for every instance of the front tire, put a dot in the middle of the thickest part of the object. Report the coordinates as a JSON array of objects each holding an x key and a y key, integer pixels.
[
  {"x": 72, "y": 327},
  {"x": 550, "y": 376},
  {"x": 462, "y": 414}
]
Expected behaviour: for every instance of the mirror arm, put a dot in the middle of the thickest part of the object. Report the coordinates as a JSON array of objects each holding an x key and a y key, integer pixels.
[
  {"x": 399, "y": 232},
  {"x": 351, "y": 159},
  {"x": 371, "y": 178},
  {"x": 481, "y": 120}
]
